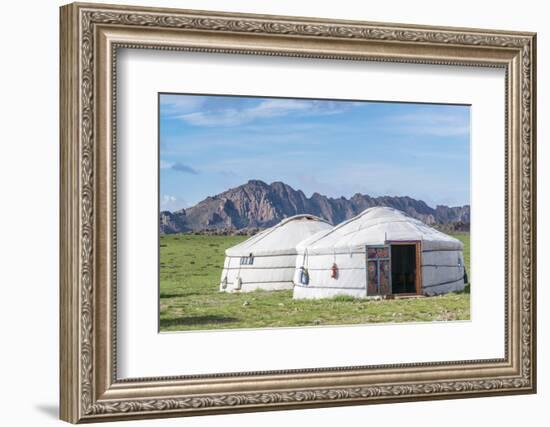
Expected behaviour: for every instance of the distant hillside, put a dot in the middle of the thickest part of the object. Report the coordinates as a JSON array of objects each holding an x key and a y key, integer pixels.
[{"x": 256, "y": 205}]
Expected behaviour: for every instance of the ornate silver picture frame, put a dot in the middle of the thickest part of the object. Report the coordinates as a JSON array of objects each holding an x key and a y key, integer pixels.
[{"x": 91, "y": 35}]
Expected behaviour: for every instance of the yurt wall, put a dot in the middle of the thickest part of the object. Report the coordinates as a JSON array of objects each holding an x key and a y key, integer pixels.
[
  {"x": 272, "y": 272},
  {"x": 379, "y": 252},
  {"x": 268, "y": 259},
  {"x": 350, "y": 277},
  {"x": 442, "y": 271}
]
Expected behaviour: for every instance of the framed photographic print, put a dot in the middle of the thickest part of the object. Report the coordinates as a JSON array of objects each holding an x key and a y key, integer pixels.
[
  {"x": 264, "y": 212},
  {"x": 294, "y": 260}
]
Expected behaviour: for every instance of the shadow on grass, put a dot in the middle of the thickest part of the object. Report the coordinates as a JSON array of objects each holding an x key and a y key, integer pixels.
[
  {"x": 168, "y": 295},
  {"x": 165, "y": 295},
  {"x": 466, "y": 290},
  {"x": 197, "y": 320}
]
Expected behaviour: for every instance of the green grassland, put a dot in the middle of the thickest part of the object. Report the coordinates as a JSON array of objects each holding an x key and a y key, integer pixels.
[{"x": 190, "y": 270}]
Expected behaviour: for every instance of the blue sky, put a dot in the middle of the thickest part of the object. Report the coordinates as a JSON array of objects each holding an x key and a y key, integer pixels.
[{"x": 337, "y": 148}]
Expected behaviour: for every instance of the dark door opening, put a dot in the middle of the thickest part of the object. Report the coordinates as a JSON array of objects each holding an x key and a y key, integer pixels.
[{"x": 403, "y": 269}]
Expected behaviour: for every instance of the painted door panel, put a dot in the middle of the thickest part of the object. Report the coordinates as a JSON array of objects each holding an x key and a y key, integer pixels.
[
  {"x": 378, "y": 270},
  {"x": 384, "y": 278},
  {"x": 372, "y": 278}
]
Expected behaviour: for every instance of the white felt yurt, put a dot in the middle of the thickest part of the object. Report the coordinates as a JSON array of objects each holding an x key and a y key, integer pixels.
[
  {"x": 267, "y": 260},
  {"x": 380, "y": 252}
]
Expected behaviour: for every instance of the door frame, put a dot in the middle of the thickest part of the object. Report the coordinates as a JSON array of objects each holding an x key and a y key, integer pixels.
[{"x": 418, "y": 264}]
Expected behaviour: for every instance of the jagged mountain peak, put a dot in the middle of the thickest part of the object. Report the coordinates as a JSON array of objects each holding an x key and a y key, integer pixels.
[{"x": 257, "y": 204}]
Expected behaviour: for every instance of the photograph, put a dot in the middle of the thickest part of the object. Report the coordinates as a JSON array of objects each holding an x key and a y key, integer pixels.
[
  {"x": 300, "y": 189},
  {"x": 293, "y": 212}
]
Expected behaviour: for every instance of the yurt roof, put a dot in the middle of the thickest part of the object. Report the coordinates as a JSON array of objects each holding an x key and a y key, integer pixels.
[
  {"x": 378, "y": 225},
  {"x": 313, "y": 238},
  {"x": 281, "y": 238}
]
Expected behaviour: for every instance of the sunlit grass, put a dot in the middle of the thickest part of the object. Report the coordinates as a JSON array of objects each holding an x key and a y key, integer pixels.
[{"x": 190, "y": 270}]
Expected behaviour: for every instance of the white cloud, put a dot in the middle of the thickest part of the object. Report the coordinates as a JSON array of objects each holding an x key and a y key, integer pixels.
[
  {"x": 233, "y": 117},
  {"x": 173, "y": 105},
  {"x": 167, "y": 198},
  {"x": 171, "y": 203},
  {"x": 432, "y": 123},
  {"x": 268, "y": 108},
  {"x": 166, "y": 165}
]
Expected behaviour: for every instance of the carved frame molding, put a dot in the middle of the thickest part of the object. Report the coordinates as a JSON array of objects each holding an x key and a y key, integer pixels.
[{"x": 90, "y": 37}]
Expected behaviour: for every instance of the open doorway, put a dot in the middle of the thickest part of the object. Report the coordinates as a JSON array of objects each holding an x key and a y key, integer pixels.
[{"x": 404, "y": 268}]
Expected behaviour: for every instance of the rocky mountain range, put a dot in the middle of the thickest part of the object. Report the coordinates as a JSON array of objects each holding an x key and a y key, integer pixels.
[{"x": 256, "y": 205}]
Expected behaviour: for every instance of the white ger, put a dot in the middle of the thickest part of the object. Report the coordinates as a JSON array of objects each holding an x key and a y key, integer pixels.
[
  {"x": 267, "y": 260},
  {"x": 382, "y": 251}
]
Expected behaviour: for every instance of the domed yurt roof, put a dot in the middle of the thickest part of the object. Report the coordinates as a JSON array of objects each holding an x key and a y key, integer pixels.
[
  {"x": 281, "y": 238},
  {"x": 375, "y": 226},
  {"x": 313, "y": 238}
]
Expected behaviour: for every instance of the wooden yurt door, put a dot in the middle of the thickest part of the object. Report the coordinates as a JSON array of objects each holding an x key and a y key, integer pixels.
[
  {"x": 378, "y": 270},
  {"x": 406, "y": 268}
]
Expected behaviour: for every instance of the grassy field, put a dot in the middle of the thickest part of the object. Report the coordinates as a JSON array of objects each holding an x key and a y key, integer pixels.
[{"x": 190, "y": 270}]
